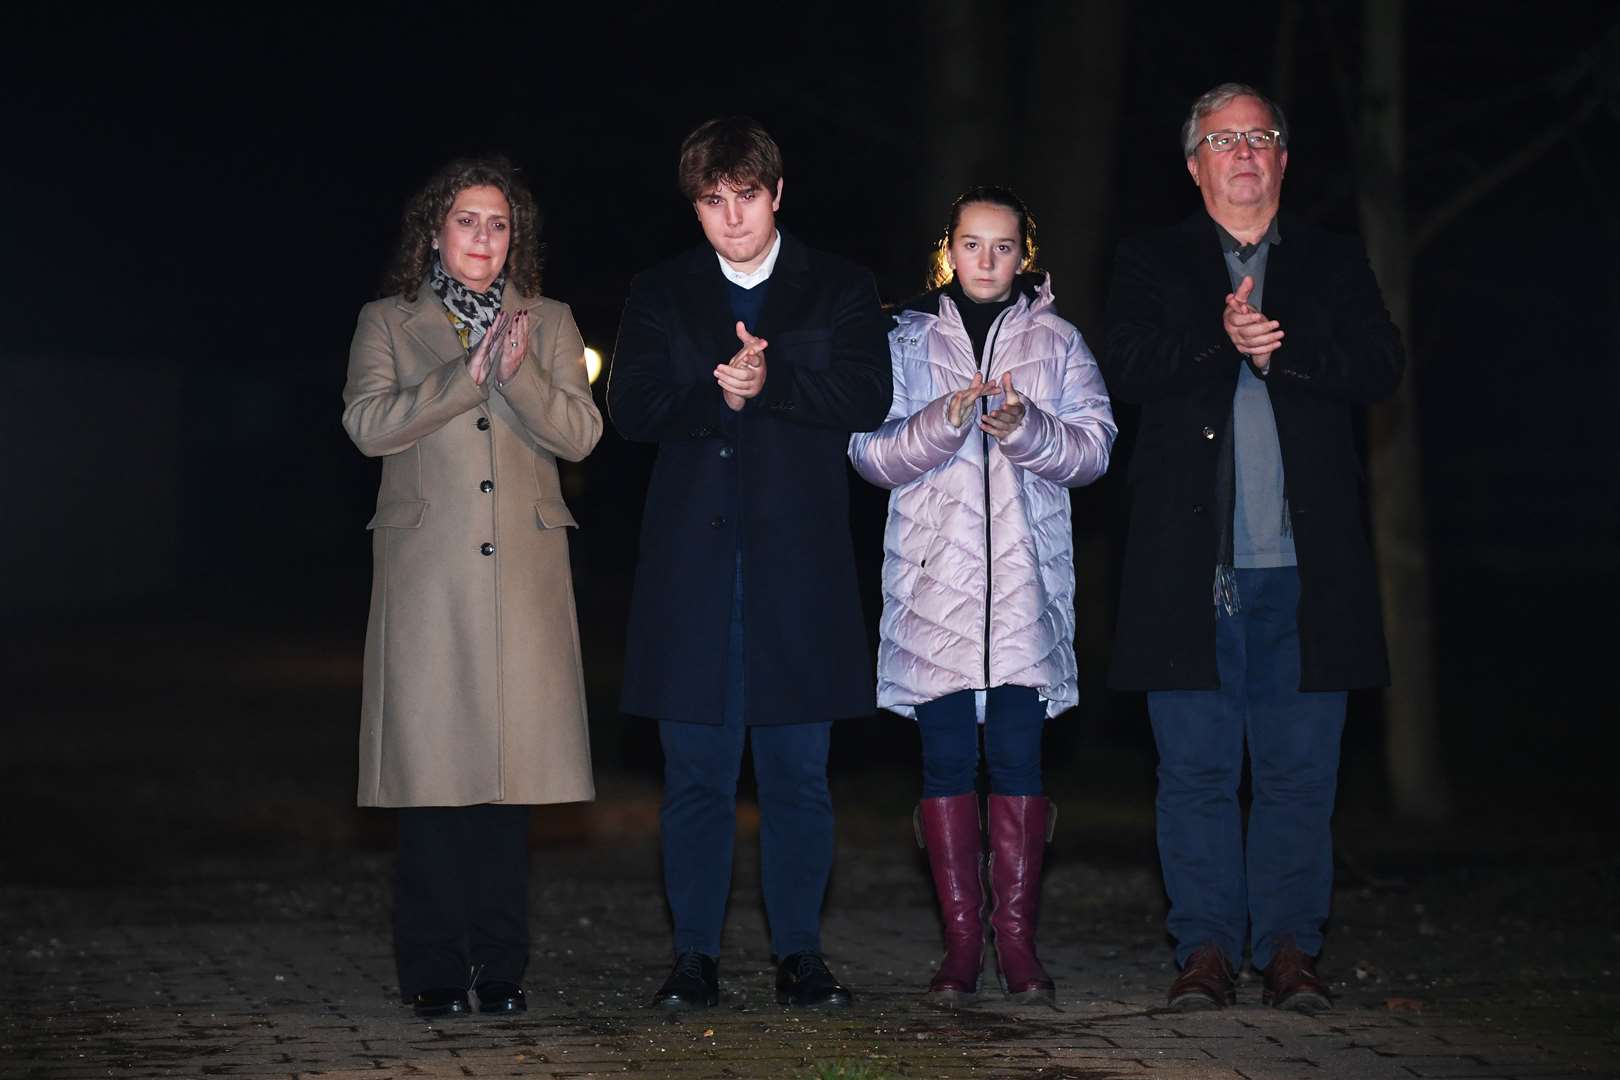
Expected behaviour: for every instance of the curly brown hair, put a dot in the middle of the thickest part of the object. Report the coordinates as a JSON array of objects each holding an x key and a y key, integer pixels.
[
  {"x": 425, "y": 213},
  {"x": 939, "y": 266}
]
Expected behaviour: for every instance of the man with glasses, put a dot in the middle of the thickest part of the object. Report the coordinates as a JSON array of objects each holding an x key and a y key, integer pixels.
[{"x": 1248, "y": 605}]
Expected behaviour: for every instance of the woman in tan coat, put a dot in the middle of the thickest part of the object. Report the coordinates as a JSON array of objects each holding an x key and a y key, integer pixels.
[{"x": 469, "y": 385}]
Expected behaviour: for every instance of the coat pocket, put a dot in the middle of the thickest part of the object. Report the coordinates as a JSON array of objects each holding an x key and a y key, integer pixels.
[
  {"x": 936, "y": 545},
  {"x": 401, "y": 514},
  {"x": 554, "y": 514}
]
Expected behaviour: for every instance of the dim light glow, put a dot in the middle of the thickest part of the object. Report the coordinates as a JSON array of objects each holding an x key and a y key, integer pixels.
[{"x": 593, "y": 364}]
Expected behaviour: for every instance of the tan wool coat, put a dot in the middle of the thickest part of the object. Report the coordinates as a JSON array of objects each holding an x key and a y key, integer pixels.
[{"x": 473, "y": 685}]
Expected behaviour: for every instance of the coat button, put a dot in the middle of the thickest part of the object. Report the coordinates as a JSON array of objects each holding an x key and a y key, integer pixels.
[
  {"x": 487, "y": 486},
  {"x": 486, "y": 548},
  {"x": 716, "y": 522},
  {"x": 483, "y": 423},
  {"x": 1198, "y": 508},
  {"x": 726, "y": 451},
  {"x": 1209, "y": 432}
]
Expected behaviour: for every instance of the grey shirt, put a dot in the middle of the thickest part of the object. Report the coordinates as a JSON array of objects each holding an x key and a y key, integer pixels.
[{"x": 1262, "y": 535}]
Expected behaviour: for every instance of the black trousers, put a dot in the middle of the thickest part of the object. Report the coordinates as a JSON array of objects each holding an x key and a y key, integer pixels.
[{"x": 461, "y": 896}]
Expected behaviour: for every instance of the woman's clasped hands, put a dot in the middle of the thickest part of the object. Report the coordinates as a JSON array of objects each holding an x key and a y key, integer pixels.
[
  {"x": 999, "y": 422},
  {"x": 501, "y": 350}
]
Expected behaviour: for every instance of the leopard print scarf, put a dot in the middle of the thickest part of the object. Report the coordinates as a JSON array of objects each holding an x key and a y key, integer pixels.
[{"x": 471, "y": 313}]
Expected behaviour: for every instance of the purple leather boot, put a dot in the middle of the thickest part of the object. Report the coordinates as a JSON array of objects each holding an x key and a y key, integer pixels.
[
  {"x": 949, "y": 829},
  {"x": 1020, "y": 826}
]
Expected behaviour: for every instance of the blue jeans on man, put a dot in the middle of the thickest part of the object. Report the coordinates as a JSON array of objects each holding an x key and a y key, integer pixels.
[
  {"x": 699, "y": 817},
  {"x": 1278, "y": 884}
]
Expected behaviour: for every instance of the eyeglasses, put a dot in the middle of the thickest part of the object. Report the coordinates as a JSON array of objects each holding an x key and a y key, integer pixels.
[{"x": 1259, "y": 139}]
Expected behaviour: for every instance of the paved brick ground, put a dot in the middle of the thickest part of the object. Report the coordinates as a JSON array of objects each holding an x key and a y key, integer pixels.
[
  {"x": 215, "y": 906},
  {"x": 277, "y": 968}
]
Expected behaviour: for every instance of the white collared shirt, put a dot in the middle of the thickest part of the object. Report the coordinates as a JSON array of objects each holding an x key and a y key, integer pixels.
[{"x": 748, "y": 281}]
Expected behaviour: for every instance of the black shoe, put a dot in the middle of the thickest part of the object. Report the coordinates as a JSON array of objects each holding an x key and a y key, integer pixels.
[
  {"x": 500, "y": 996},
  {"x": 802, "y": 979},
  {"x": 441, "y": 1001},
  {"x": 694, "y": 983}
]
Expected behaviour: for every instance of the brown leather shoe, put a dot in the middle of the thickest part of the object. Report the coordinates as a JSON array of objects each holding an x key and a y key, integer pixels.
[
  {"x": 1291, "y": 982},
  {"x": 1205, "y": 981}
]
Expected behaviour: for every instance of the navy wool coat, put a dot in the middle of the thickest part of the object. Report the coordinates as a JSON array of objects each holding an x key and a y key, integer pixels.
[
  {"x": 770, "y": 482},
  {"x": 1167, "y": 351}
]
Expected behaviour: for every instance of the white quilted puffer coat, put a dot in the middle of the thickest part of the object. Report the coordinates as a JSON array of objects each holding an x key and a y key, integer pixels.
[{"x": 978, "y": 566}]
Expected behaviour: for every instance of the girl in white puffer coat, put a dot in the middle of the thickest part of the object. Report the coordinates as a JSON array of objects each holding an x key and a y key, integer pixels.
[{"x": 998, "y": 409}]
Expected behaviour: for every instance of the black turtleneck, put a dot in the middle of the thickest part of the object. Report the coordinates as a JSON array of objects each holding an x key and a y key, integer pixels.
[{"x": 976, "y": 316}]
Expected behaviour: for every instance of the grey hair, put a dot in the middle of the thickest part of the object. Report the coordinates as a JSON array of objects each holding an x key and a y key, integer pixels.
[{"x": 1219, "y": 98}]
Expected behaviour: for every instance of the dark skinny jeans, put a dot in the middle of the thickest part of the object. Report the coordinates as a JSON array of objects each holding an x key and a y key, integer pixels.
[{"x": 1014, "y": 717}]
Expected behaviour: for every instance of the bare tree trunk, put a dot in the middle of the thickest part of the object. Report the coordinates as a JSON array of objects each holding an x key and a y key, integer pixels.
[
  {"x": 1067, "y": 145},
  {"x": 1045, "y": 124},
  {"x": 1029, "y": 97},
  {"x": 1067, "y": 157},
  {"x": 966, "y": 107},
  {"x": 1282, "y": 54},
  {"x": 1417, "y": 779}
]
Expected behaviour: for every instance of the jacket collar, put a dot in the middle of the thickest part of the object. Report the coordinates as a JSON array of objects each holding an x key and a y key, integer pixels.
[
  {"x": 936, "y": 308},
  {"x": 699, "y": 261},
  {"x": 1034, "y": 290},
  {"x": 1202, "y": 249},
  {"x": 1200, "y": 245},
  {"x": 516, "y": 301},
  {"x": 705, "y": 289},
  {"x": 426, "y": 322}
]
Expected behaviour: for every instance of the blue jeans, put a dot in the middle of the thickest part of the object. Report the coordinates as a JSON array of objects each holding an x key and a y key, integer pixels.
[
  {"x": 698, "y": 818},
  {"x": 1281, "y": 884},
  {"x": 1014, "y": 717}
]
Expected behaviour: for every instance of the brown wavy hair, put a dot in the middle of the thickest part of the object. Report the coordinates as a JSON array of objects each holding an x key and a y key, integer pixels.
[
  {"x": 733, "y": 150},
  {"x": 425, "y": 213},
  {"x": 939, "y": 266}
]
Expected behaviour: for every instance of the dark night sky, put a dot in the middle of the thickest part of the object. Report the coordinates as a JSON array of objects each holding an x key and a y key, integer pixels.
[{"x": 201, "y": 205}]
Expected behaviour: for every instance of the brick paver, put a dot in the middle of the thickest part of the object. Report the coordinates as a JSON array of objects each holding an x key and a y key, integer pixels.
[{"x": 284, "y": 971}]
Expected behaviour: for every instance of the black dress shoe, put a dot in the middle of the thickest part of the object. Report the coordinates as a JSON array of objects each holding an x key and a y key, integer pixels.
[
  {"x": 441, "y": 1001},
  {"x": 694, "y": 983},
  {"x": 500, "y": 996},
  {"x": 802, "y": 979}
]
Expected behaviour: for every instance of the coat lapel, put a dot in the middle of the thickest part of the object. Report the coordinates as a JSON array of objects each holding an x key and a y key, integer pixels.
[
  {"x": 701, "y": 298},
  {"x": 789, "y": 284},
  {"x": 514, "y": 301},
  {"x": 1203, "y": 252},
  {"x": 427, "y": 325},
  {"x": 1291, "y": 250}
]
